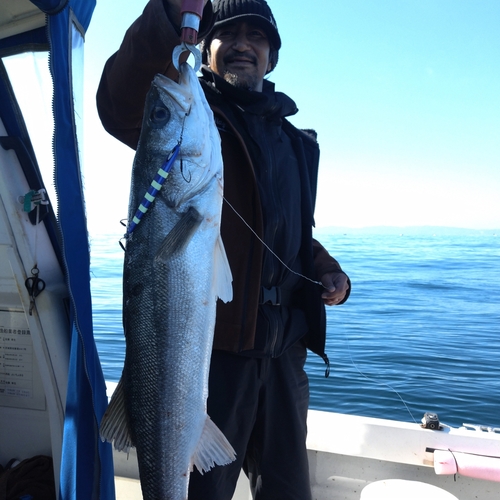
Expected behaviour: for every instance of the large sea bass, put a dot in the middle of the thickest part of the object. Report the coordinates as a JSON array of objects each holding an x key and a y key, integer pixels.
[{"x": 175, "y": 269}]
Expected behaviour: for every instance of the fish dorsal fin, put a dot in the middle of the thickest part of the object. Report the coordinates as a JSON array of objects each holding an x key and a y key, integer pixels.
[
  {"x": 223, "y": 278},
  {"x": 114, "y": 424},
  {"x": 213, "y": 448}
]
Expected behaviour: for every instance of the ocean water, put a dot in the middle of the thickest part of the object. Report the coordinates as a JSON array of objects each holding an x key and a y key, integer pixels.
[{"x": 420, "y": 332}]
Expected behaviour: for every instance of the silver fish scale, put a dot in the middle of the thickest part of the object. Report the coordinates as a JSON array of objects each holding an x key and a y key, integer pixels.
[{"x": 174, "y": 291}]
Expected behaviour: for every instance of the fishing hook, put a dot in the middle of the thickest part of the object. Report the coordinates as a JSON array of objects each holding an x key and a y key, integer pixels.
[{"x": 182, "y": 173}]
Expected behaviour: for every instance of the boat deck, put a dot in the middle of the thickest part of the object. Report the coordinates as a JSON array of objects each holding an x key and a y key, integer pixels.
[{"x": 348, "y": 452}]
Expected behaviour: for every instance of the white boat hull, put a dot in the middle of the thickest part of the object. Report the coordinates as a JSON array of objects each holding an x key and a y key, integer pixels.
[{"x": 347, "y": 452}]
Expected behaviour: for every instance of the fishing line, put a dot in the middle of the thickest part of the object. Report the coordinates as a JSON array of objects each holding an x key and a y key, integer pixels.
[
  {"x": 319, "y": 283},
  {"x": 269, "y": 249},
  {"x": 375, "y": 380}
]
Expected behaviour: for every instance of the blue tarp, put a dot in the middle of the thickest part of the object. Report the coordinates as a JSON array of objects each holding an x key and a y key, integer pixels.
[{"x": 87, "y": 467}]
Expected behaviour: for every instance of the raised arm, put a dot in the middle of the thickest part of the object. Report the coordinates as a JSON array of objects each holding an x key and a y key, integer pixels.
[{"x": 145, "y": 51}]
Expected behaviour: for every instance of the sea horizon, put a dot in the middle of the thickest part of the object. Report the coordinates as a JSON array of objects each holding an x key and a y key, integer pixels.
[
  {"x": 427, "y": 230},
  {"x": 375, "y": 229}
]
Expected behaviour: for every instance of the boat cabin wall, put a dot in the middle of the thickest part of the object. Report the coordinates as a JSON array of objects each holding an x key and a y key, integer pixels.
[{"x": 34, "y": 331}]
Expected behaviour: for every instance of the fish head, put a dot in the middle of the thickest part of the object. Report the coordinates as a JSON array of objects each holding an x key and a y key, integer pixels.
[{"x": 178, "y": 113}]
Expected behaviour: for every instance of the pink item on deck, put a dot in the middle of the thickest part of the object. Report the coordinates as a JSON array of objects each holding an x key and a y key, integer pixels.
[{"x": 466, "y": 464}]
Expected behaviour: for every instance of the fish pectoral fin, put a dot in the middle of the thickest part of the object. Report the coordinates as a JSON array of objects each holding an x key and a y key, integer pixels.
[
  {"x": 223, "y": 278},
  {"x": 180, "y": 235},
  {"x": 114, "y": 426},
  {"x": 213, "y": 448}
]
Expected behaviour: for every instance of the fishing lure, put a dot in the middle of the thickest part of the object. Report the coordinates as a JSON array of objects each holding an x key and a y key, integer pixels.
[{"x": 154, "y": 188}]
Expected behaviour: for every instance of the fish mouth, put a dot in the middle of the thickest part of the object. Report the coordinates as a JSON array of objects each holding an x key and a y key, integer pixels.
[{"x": 175, "y": 91}]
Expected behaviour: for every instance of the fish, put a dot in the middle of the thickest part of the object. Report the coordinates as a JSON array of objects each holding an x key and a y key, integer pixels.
[{"x": 175, "y": 269}]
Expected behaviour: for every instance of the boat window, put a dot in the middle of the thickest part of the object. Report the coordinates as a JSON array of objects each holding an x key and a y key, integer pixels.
[
  {"x": 31, "y": 81},
  {"x": 30, "y": 78}
]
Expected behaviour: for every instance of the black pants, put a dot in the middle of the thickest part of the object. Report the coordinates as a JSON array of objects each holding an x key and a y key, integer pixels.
[{"x": 261, "y": 407}]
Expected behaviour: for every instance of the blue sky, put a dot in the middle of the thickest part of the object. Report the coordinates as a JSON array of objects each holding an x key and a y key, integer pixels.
[{"x": 404, "y": 95}]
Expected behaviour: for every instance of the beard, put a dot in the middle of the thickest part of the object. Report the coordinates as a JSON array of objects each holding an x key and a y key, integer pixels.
[{"x": 244, "y": 82}]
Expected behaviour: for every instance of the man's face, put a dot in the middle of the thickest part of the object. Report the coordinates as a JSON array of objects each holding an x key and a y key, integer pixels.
[{"x": 239, "y": 53}]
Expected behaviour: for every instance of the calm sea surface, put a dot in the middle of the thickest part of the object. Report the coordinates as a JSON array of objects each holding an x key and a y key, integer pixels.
[{"x": 420, "y": 332}]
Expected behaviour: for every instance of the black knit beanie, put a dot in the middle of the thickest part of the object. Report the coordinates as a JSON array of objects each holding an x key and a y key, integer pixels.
[{"x": 258, "y": 11}]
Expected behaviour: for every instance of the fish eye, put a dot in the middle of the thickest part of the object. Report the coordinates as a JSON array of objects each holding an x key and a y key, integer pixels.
[{"x": 159, "y": 115}]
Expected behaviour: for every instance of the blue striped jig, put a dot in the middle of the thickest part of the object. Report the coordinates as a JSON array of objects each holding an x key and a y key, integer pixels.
[{"x": 154, "y": 188}]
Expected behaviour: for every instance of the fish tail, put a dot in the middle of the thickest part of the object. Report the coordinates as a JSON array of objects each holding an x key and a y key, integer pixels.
[
  {"x": 213, "y": 448},
  {"x": 114, "y": 423}
]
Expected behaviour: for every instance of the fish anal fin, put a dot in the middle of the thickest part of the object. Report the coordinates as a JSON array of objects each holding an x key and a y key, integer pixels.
[
  {"x": 114, "y": 423},
  {"x": 180, "y": 235},
  {"x": 213, "y": 448},
  {"x": 223, "y": 278}
]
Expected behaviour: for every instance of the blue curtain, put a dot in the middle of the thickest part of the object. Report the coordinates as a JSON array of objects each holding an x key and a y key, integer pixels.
[{"x": 87, "y": 464}]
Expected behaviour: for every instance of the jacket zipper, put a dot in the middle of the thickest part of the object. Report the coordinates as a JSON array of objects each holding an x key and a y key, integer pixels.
[{"x": 271, "y": 230}]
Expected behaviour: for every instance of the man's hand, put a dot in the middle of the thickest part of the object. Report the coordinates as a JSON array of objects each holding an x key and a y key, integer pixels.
[
  {"x": 336, "y": 285},
  {"x": 173, "y": 8}
]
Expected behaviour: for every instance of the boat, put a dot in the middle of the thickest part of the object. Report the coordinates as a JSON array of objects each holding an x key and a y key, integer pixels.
[
  {"x": 52, "y": 391},
  {"x": 363, "y": 458}
]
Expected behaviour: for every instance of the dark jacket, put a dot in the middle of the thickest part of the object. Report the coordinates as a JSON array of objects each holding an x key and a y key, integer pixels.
[{"x": 145, "y": 51}]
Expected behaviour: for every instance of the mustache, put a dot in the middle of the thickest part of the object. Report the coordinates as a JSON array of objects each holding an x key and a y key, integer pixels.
[{"x": 233, "y": 56}]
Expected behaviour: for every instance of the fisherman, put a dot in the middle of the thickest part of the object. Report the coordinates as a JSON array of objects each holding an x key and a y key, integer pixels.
[{"x": 258, "y": 389}]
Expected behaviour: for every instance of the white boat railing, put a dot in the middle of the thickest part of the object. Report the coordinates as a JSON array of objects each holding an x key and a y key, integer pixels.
[{"x": 347, "y": 452}]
